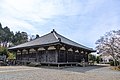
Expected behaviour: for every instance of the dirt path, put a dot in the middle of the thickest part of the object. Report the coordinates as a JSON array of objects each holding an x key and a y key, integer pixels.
[{"x": 75, "y": 73}]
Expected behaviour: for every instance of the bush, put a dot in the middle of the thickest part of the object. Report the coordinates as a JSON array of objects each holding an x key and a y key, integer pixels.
[
  {"x": 111, "y": 63},
  {"x": 116, "y": 63},
  {"x": 3, "y": 63},
  {"x": 33, "y": 64},
  {"x": 98, "y": 59}
]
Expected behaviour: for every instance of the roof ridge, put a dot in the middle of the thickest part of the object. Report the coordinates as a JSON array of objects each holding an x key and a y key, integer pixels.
[{"x": 55, "y": 35}]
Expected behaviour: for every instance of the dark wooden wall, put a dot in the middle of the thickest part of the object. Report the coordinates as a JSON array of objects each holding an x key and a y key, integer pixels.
[
  {"x": 55, "y": 55},
  {"x": 72, "y": 56}
]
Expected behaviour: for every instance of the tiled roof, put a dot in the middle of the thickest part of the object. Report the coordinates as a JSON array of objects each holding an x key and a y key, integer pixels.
[{"x": 50, "y": 38}]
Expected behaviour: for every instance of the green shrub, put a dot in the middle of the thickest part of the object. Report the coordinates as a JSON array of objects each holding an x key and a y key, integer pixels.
[
  {"x": 3, "y": 63},
  {"x": 111, "y": 63},
  {"x": 116, "y": 63},
  {"x": 33, "y": 64}
]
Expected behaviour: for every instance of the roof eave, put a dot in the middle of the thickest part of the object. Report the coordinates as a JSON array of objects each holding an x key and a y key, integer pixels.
[
  {"x": 89, "y": 50},
  {"x": 34, "y": 46}
]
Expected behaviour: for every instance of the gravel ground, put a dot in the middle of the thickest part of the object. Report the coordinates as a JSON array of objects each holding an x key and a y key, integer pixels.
[{"x": 74, "y": 73}]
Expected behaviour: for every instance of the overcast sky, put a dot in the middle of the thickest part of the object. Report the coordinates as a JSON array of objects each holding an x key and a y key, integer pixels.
[{"x": 83, "y": 21}]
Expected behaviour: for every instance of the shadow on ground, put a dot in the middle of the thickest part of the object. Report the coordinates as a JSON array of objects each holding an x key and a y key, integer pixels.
[
  {"x": 83, "y": 69},
  {"x": 78, "y": 69}
]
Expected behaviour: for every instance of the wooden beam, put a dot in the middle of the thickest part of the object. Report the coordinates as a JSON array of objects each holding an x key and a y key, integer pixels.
[
  {"x": 57, "y": 52},
  {"x": 46, "y": 52},
  {"x": 66, "y": 52},
  {"x": 21, "y": 54},
  {"x": 73, "y": 54},
  {"x": 37, "y": 56},
  {"x": 86, "y": 56},
  {"x": 28, "y": 50}
]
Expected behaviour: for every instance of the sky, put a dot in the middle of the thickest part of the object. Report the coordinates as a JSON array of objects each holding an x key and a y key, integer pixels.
[{"x": 83, "y": 21}]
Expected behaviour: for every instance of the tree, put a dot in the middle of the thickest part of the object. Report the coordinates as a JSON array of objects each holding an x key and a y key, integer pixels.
[
  {"x": 1, "y": 33},
  {"x": 98, "y": 59},
  {"x": 6, "y": 36},
  {"x": 20, "y": 37},
  {"x": 24, "y": 37},
  {"x": 0, "y": 26},
  {"x": 92, "y": 57},
  {"x": 37, "y": 36},
  {"x": 32, "y": 37},
  {"x": 110, "y": 44},
  {"x": 3, "y": 51},
  {"x": 11, "y": 56}
]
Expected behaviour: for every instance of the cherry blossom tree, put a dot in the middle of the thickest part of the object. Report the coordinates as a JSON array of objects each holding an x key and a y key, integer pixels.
[{"x": 110, "y": 44}]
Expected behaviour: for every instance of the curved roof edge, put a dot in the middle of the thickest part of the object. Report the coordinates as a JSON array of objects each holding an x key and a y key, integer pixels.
[{"x": 50, "y": 38}]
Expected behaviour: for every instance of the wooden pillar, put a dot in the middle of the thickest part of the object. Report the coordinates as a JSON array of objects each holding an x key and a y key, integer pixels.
[
  {"x": 57, "y": 53},
  {"x": 66, "y": 52},
  {"x": 46, "y": 52},
  {"x": 37, "y": 56},
  {"x": 23, "y": 55},
  {"x": 57, "y": 56},
  {"x": 73, "y": 55},
  {"x": 86, "y": 54},
  {"x": 28, "y": 50},
  {"x": 21, "y": 51},
  {"x": 80, "y": 55},
  {"x": 16, "y": 55}
]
